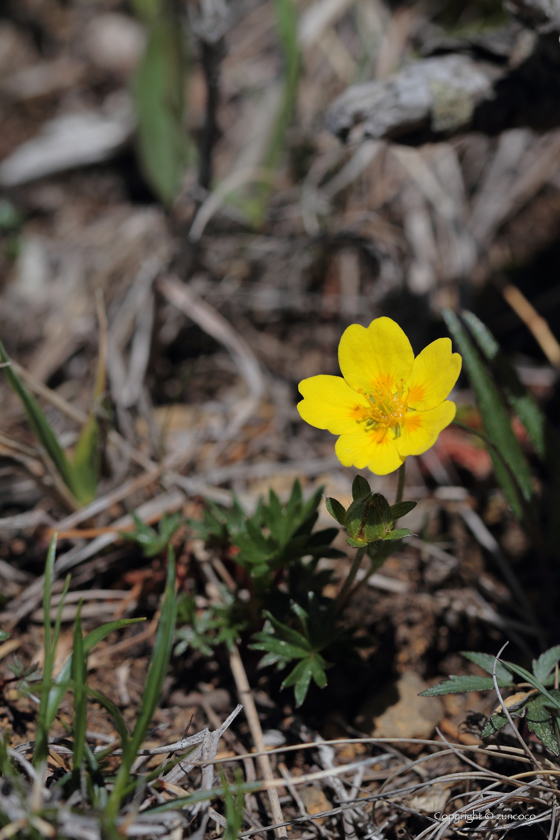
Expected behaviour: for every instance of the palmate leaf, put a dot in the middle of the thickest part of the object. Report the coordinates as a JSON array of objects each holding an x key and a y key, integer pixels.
[
  {"x": 313, "y": 667},
  {"x": 515, "y": 478},
  {"x": 486, "y": 662},
  {"x": 546, "y": 662}
]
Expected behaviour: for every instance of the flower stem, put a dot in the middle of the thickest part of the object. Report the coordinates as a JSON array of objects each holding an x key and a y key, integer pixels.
[
  {"x": 344, "y": 592},
  {"x": 400, "y": 486}
]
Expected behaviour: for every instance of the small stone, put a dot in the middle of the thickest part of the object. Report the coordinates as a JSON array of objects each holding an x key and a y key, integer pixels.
[
  {"x": 398, "y": 712},
  {"x": 315, "y": 801}
]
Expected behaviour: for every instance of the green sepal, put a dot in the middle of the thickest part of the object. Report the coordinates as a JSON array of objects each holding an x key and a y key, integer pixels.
[
  {"x": 336, "y": 510},
  {"x": 374, "y": 526},
  {"x": 356, "y": 543},
  {"x": 355, "y": 516},
  {"x": 401, "y": 509},
  {"x": 398, "y": 534},
  {"x": 360, "y": 488}
]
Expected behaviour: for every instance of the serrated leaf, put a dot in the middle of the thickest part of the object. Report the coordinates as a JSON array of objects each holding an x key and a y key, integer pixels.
[
  {"x": 486, "y": 662},
  {"x": 458, "y": 684},
  {"x": 496, "y": 722},
  {"x": 360, "y": 488},
  {"x": 401, "y": 509},
  {"x": 546, "y": 662},
  {"x": 515, "y": 478},
  {"x": 520, "y": 399},
  {"x": 539, "y": 721},
  {"x": 336, "y": 510}
]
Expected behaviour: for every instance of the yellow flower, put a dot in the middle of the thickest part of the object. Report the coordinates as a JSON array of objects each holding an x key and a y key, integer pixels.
[{"x": 389, "y": 405}]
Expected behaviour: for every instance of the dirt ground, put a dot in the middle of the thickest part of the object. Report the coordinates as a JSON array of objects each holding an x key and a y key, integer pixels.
[{"x": 207, "y": 338}]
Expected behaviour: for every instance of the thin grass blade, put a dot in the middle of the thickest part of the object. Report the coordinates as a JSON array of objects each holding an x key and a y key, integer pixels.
[
  {"x": 512, "y": 469},
  {"x": 79, "y": 676},
  {"x": 43, "y": 726},
  {"x": 39, "y": 423}
]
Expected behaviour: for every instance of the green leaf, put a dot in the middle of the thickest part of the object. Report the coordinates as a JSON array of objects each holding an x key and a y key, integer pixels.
[
  {"x": 270, "y": 658},
  {"x": 512, "y": 469},
  {"x": 521, "y": 400},
  {"x": 398, "y": 534},
  {"x": 546, "y": 662},
  {"x": 4, "y": 635},
  {"x": 553, "y": 695},
  {"x": 486, "y": 662},
  {"x": 233, "y": 807},
  {"x": 401, "y": 509},
  {"x": 318, "y": 672},
  {"x": 117, "y": 717},
  {"x": 299, "y": 677},
  {"x": 539, "y": 721},
  {"x": 495, "y": 723},
  {"x": 279, "y": 648},
  {"x": 360, "y": 488},
  {"x": 86, "y": 461},
  {"x": 355, "y": 543},
  {"x": 287, "y": 634},
  {"x": 158, "y": 99},
  {"x": 154, "y": 682},
  {"x": 79, "y": 676},
  {"x": 336, "y": 510},
  {"x": 91, "y": 640},
  {"x": 457, "y": 684},
  {"x": 43, "y": 725},
  {"x": 39, "y": 423}
]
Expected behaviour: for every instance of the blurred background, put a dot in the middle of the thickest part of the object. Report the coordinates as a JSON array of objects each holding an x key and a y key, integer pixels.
[
  {"x": 202, "y": 196},
  {"x": 196, "y": 198},
  {"x": 301, "y": 166}
]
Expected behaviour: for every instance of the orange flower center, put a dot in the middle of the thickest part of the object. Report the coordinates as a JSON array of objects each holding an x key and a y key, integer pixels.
[{"x": 387, "y": 408}]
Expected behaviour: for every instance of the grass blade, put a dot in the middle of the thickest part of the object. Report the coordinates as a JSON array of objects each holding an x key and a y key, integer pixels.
[
  {"x": 79, "y": 676},
  {"x": 39, "y": 423},
  {"x": 512, "y": 469},
  {"x": 154, "y": 683},
  {"x": 86, "y": 461},
  {"x": 43, "y": 726},
  {"x": 522, "y": 402},
  {"x": 158, "y": 99},
  {"x": 60, "y": 686}
]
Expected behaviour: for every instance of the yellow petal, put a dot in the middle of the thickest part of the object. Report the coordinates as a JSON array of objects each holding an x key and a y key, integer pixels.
[
  {"x": 375, "y": 450},
  {"x": 434, "y": 373},
  {"x": 329, "y": 403},
  {"x": 380, "y": 354},
  {"x": 420, "y": 429}
]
